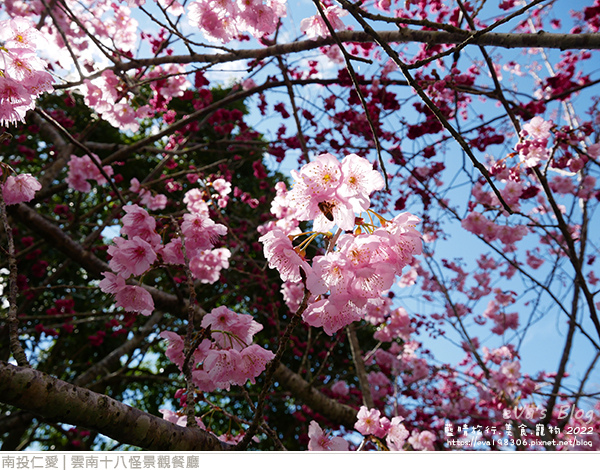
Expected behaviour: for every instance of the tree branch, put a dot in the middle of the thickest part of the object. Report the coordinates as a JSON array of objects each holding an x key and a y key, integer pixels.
[
  {"x": 404, "y": 35},
  {"x": 56, "y": 400},
  {"x": 332, "y": 409}
]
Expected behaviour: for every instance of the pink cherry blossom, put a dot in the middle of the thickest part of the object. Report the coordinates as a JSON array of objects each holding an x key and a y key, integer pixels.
[
  {"x": 368, "y": 421},
  {"x": 175, "y": 349},
  {"x": 195, "y": 202},
  {"x": 423, "y": 440},
  {"x": 330, "y": 272},
  {"x": 137, "y": 222},
  {"x": 82, "y": 169},
  {"x": 332, "y": 314},
  {"x": 321, "y": 177},
  {"x": 359, "y": 181},
  {"x": 112, "y": 283},
  {"x": 293, "y": 293},
  {"x": 172, "y": 252},
  {"x": 314, "y": 26},
  {"x": 206, "y": 265},
  {"x": 319, "y": 441},
  {"x": 173, "y": 7},
  {"x": 538, "y": 128},
  {"x": 315, "y": 196},
  {"x": 229, "y": 329},
  {"x": 20, "y": 32},
  {"x": 20, "y": 188},
  {"x": 215, "y": 23},
  {"x": 340, "y": 387},
  {"x": 282, "y": 256},
  {"x": 154, "y": 202},
  {"x": 222, "y": 366},
  {"x": 254, "y": 360},
  {"x": 172, "y": 417},
  {"x": 135, "y": 299},
  {"x": 397, "y": 434},
  {"x": 200, "y": 232},
  {"x": 131, "y": 257}
]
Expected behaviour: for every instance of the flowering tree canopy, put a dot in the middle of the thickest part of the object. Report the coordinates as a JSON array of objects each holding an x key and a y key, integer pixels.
[{"x": 231, "y": 225}]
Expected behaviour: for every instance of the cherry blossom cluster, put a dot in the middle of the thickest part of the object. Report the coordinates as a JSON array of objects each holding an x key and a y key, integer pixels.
[
  {"x": 561, "y": 150},
  {"x": 370, "y": 422},
  {"x": 22, "y": 73},
  {"x": 82, "y": 170},
  {"x": 109, "y": 97},
  {"x": 225, "y": 21},
  {"x": 479, "y": 224},
  {"x": 364, "y": 262},
  {"x": 534, "y": 141},
  {"x": 228, "y": 357},
  {"x": 495, "y": 312},
  {"x": 143, "y": 247}
]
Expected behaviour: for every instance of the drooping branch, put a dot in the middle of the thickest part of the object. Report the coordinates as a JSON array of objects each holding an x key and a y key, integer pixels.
[{"x": 56, "y": 400}]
